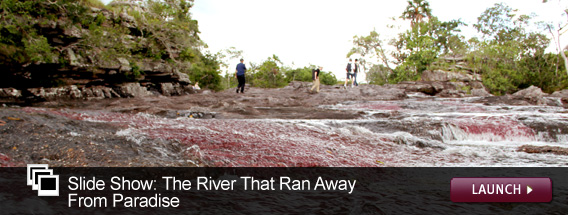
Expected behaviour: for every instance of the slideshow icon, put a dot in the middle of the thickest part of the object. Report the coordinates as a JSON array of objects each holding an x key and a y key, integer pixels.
[{"x": 41, "y": 178}]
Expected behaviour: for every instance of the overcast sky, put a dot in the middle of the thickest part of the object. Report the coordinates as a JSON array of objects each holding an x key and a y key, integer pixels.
[{"x": 320, "y": 32}]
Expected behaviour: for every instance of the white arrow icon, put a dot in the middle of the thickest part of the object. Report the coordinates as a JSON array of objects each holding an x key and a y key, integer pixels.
[{"x": 529, "y": 189}]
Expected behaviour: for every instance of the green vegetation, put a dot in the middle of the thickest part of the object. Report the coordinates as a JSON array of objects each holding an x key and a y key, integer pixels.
[
  {"x": 268, "y": 74},
  {"x": 510, "y": 55},
  {"x": 146, "y": 31},
  {"x": 271, "y": 73},
  {"x": 161, "y": 32},
  {"x": 305, "y": 74},
  {"x": 19, "y": 41},
  {"x": 206, "y": 72},
  {"x": 93, "y": 3}
]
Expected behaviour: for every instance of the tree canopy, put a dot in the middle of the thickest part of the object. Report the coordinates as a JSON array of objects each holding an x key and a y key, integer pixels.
[{"x": 509, "y": 56}]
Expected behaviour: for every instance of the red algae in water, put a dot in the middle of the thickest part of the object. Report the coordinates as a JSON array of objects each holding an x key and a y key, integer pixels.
[
  {"x": 501, "y": 127},
  {"x": 245, "y": 142}
]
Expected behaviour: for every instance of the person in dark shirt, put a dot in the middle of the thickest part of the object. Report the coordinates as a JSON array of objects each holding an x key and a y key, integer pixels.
[
  {"x": 349, "y": 75},
  {"x": 240, "y": 74},
  {"x": 315, "y": 78}
]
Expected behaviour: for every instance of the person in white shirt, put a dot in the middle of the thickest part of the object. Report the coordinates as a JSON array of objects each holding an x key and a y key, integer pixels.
[{"x": 355, "y": 71}]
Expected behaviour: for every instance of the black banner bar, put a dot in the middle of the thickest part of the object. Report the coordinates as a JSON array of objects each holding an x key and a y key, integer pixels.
[{"x": 266, "y": 191}]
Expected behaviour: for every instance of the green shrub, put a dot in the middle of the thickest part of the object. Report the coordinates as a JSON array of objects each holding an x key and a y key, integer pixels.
[
  {"x": 37, "y": 48},
  {"x": 94, "y": 3},
  {"x": 328, "y": 78}
]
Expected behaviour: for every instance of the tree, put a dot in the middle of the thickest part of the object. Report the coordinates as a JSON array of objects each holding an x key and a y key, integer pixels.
[
  {"x": 305, "y": 74},
  {"x": 370, "y": 45},
  {"x": 557, "y": 33},
  {"x": 378, "y": 74},
  {"x": 170, "y": 24},
  {"x": 416, "y": 11},
  {"x": 509, "y": 54},
  {"x": 299, "y": 74},
  {"x": 420, "y": 46},
  {"x": 268, "y": 74},
  {"x": 206, "y": 72},
  {"x": 416, "y": 48},
  {"x": 225, "y": 57}
]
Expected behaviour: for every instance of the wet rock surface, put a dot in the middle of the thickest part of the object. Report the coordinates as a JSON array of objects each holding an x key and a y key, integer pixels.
[
  {"x": 291, "y": 102},
  {"x": 51, "y": 137},
  {"x": 544, "y": 149},
  {"x": 362, "y": 126}
]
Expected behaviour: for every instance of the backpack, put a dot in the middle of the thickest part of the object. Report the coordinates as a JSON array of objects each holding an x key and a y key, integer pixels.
[{"x": 314, "y": 74}]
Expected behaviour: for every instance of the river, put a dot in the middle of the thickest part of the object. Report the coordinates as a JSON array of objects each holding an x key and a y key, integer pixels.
[{"x": 419, "y": 131}]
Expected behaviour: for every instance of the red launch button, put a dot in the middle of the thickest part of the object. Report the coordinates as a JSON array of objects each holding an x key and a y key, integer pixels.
[{"x": 501, "y": 190}]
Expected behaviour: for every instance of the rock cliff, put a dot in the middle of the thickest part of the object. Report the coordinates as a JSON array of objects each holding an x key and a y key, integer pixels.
[{"x": 69, "y": 50}]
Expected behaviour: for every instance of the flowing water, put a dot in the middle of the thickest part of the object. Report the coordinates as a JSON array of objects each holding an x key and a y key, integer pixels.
[{"x": 419, "y": 131}]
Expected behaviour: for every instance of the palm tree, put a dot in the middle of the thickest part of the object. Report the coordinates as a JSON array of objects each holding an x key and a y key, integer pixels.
[{"x": 416, "y": 11}]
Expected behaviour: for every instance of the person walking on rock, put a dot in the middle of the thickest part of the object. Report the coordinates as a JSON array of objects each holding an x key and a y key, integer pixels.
[
  {"x": 240, "y": 74},
  {"x": 315, "y": 78},
  {"x": 355, "y": 70},
  {"x": 349, "y": 75}
]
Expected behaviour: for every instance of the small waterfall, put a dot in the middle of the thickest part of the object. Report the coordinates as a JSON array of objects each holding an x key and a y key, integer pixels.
[{"x": 490, "y": 131}]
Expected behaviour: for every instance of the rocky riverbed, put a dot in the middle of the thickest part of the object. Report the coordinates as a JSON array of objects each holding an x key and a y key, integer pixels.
[{"x": 362, "y": 126}]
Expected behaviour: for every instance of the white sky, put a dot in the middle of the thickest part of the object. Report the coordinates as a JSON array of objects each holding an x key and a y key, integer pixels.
[{"x": 320, "y": 32}]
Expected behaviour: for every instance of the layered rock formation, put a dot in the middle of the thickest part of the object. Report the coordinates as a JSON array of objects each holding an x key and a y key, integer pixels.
[
  {"x": 446, "y": 84},
  {"x": 106, "y": 55},
  {"x": 456, "y": 80}
]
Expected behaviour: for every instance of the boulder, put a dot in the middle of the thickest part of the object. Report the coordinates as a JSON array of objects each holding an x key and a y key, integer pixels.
[
  {"x": 46, "y": 94},
  {"x": 172, "y": 89},
  {"x": 181, "y": 78},
  {"x": 73, "y": 61},
  {"x": 560, "y": 94},
  {"x": 533, "y": 95},
  {"x": 155, "y": 67},
  {"x": 73, "y": 92},
  {"x": 449, "y": 93},
  {"x": 443, "y": 88},
  {"x": 421, "y": 87},
  {"x": 133, "y": 90},
  {"x": 109, "y": 65},
  {"x": 439, "y": 75},
  {"x": 56, "y": 93},
  {"x": 476, "y": 85},
  {"x": 480, "y": 92},
  {"x": 10, "y": 93},
  {"x": 167, "y": 89},
  {"x": 124, "y": 64},
  {"x": 73, "y": 32},
  {"x": 127, "y": 20},
  {"x": 99, "y": 92},
  {"x": 531, "y": 92}
]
